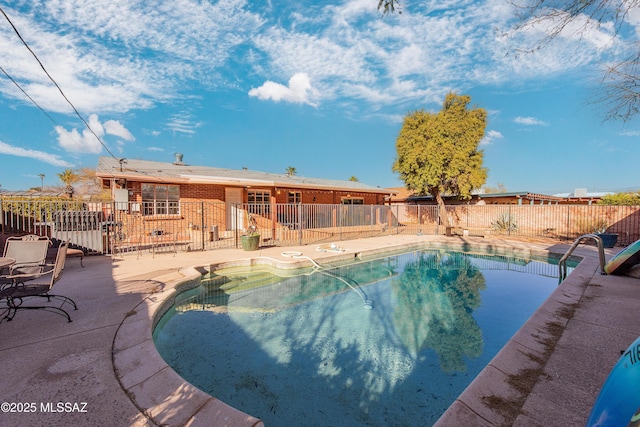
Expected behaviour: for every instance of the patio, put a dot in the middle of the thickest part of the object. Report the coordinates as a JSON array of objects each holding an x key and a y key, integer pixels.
[{"x": 98, "y": 363}]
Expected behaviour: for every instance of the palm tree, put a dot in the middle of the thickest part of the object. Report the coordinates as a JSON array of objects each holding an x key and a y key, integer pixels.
[
  {"x": 291, "y": 171},
  {"x": 69, "y": 177},
  {"x": 41, "y": 175},
  {"x": 354, "y": 178}
]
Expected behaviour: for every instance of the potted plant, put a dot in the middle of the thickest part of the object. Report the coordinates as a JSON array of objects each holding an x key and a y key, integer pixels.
[
  {"x": 250, "y": 239},
  {"x": 609, "y": 240}
]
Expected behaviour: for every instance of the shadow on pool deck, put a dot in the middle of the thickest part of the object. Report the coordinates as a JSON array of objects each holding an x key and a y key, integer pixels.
[{"x": 105, "y": 362}]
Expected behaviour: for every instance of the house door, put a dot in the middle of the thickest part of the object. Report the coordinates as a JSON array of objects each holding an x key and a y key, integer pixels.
[{"x": 233, "y": 200}]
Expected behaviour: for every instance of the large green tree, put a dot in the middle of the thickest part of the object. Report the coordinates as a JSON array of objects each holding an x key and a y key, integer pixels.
[{"x": 437, "y": 153}]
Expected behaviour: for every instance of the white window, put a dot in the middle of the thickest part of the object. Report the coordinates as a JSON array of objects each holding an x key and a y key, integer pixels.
[
  {"x": 294, "y": 197},
  {"x": 259, "y": 202},
  {"x": 353, "y": 201},
  {"x": 161, "y": 199}
]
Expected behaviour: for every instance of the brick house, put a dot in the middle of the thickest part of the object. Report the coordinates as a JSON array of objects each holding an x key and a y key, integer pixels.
[
  {"x": 154, "y": 192},
  {"x": 147, "y": 181}
]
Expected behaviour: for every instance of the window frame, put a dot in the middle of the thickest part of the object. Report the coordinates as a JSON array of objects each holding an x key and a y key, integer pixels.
[
  {"x": 359, "y": 201},
  {"x": 294, "y": 197},
  {"x": 259, "y": 205},
  {"x": 160, "y": 199}
]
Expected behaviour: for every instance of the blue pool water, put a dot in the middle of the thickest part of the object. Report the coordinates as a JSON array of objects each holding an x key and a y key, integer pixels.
[{"x": 386, "y": 342}]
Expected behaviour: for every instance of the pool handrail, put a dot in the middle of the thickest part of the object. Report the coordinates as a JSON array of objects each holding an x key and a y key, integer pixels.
[{"x": 562, "y": 264}]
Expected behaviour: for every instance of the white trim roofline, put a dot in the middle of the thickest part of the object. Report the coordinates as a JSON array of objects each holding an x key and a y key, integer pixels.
[{"x": 150, "y": 171}]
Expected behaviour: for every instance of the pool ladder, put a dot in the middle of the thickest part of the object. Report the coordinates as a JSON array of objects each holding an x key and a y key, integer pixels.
[{"x": 562, "y": 264}]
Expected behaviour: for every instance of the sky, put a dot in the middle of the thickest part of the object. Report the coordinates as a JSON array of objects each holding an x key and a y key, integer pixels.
[{"x": 321, "y": 86}]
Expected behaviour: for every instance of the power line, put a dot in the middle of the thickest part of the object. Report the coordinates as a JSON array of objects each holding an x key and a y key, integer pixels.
[
  {"x": 27, "y": 95},
  {"x": 59, "y": 89},
  {"x": 30, "y": 98},
  {"x": 56, "y": 84}
]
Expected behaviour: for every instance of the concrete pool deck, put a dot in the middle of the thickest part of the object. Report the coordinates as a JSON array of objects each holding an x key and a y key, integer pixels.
[{"x": 104, "y": 369}]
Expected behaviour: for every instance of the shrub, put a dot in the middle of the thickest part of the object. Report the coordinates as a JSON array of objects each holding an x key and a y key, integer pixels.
[
  {"x": 592, "y": 225},
  {"x": 620, "y": 199},
  {"x": 505, "y": 223}
]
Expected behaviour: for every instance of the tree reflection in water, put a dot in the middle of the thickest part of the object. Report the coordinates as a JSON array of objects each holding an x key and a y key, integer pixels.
[
  {"x": 436, "y": 296},
  {"x": 302, "y": 349}
]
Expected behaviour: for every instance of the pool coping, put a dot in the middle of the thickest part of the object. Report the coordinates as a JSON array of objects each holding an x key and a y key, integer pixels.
[{"x": 167, "y": 399}]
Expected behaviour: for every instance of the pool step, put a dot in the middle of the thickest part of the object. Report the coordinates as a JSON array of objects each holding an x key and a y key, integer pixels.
[{"x": 216, "y": 291}]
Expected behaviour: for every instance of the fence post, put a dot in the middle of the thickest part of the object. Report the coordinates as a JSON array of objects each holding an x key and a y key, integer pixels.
[
  {"x": 300, "y": 223},
  {"x": 568, "y": 220},
  {"x": 339, "y": 216},
  {"x": 114, "y": 231},
  {"x": 397, "y": 219},
  {"x": 468, "y": 216},
  {"x": 202, "y": 230},
  {"x": 371, "y": 219},
  {"x": 234, "y": 208},
  {"x": 510, "y": 221}
]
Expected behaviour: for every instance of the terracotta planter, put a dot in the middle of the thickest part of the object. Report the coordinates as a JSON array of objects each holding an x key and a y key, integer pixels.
[{"x": 250, "y": 243}]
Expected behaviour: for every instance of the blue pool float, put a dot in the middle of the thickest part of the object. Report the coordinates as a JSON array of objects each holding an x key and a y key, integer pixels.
[
  {"x": 618, "y": 403},
  {"x": 624, "y": 260}
]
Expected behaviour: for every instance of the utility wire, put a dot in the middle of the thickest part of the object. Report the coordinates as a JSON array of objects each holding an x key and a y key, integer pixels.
[
  {"x": 30, "y": 98},
  {"x": 56, "y": 84},
  {"x": 27, "y": 95},
  {"x": 62, "y": 93}
]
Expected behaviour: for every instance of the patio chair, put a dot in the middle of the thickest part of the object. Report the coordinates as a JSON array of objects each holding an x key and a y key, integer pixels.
[
  {"x": 30, "y": 253},
  {"x": 36, "y": 286},
  {"x": 27, "y": 251}
]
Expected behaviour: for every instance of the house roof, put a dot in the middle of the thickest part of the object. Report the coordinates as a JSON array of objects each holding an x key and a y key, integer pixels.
[
  {"x": 404, "y": 194},
  {"x": 584, "y": 194},
  {"x": 34, "y": 193},
  {"x": 520, "y": 194},
  {"x": 181, "y": 173}
]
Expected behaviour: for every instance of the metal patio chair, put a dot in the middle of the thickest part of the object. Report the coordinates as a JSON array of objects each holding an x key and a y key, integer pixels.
[
  {"x": 30, "y": 253},
  {"x": 37, "y": 286}
]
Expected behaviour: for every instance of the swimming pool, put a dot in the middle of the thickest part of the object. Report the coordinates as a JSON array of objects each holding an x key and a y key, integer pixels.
[{"x": 392, "y": 341}]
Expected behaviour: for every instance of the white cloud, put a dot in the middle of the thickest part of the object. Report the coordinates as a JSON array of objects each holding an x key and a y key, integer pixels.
[
  {"x": 530, "y": 121},
  {"x": 299, "y": 91},
  {"x": 114, "y": 127},
  {"x": 120, "y": 55},
  {"x": 86, "y": 141},
  {"x": 183, "y": 123},
  {"x": 124, "y": 55},
  {"x": 52, "y": 159},
  {"x": 579, "y": 28},
  {"x": 413, "y": 58},
  {"x": 491, "y": 136},
  {"x": 76, "y": 142}
]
